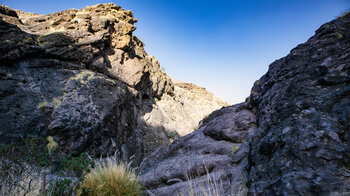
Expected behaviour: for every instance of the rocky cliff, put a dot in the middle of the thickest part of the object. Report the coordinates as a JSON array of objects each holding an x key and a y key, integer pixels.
[
  {"x": 302, "y": 104},
  {"x": 290, "y": 137},
  {"x": 83, "y": 78}
]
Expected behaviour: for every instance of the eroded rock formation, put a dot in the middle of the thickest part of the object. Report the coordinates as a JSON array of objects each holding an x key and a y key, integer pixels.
[{"x": 83, "y": 78}]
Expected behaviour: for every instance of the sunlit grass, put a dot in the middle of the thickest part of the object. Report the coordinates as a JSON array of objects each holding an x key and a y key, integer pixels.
[{"x": 111, "y": 179}]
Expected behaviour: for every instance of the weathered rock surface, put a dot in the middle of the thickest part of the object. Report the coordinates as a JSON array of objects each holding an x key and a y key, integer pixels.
[
  {"x": 200, "y": 155},
  {"x": 182, "y": 112},
  {"x": 302, "y": 105},
  {"x": 83, "y": 78}
]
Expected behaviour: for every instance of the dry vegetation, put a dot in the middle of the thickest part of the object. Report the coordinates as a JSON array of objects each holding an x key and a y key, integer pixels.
[{"x": 111, "y": 179}]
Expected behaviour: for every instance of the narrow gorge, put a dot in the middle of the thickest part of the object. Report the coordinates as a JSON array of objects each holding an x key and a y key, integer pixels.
[{"x": 81, "y": 78}]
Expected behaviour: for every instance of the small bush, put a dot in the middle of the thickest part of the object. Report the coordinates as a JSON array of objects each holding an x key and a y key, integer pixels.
[
  {"x": 111, "y": 179},
  {"x": 78, "y": 165}
]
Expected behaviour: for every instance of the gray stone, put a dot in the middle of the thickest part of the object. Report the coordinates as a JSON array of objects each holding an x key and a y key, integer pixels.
[{"x": 197, "y": 157}]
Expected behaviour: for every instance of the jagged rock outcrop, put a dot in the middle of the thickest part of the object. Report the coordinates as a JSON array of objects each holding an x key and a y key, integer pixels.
[
  {"x": 299, "y": 144},
  {"x": 83, "y": 78},
  {"x": 302, "y": 106}
]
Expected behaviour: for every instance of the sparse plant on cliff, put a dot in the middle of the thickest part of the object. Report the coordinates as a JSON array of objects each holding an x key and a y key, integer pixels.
[
  {"x": 234, "y": 149},
  {"x": 51, "y": 145},
  {"x": 42, "y": 104},
  {"x": 77, "y": 165},
  {"x": 111, "y": 178},
  {"x": 171, "y": 135}
]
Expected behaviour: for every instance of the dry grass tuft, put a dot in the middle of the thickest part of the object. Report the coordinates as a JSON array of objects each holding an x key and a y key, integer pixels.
[
  {"x": 209, "y": 188},
  {"x": 212, "y": 186},
  {"x": 109, "y": 179},
  {"x": 51, "y": 145}
]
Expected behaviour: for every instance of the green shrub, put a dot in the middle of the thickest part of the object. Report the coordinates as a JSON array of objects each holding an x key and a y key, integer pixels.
[
  {"x": 77, "y": 165},
  {"x": 172, "y": 135}
]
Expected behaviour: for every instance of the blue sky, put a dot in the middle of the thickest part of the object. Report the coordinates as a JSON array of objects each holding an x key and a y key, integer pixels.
[{"x": 222, "y": 45}]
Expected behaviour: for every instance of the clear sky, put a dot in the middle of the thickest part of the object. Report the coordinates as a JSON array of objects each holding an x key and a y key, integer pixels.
[{"x": 222, "y": 45}]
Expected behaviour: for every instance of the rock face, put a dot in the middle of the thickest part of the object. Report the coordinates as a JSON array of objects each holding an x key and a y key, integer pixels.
[
  {"x": 302, "y": 106},
  {"x": 210, "y": 152},
  {"x": 181, "y": 112},
  {"x": 292, "y": 133},
  {"x": 83, "y": 78}
]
